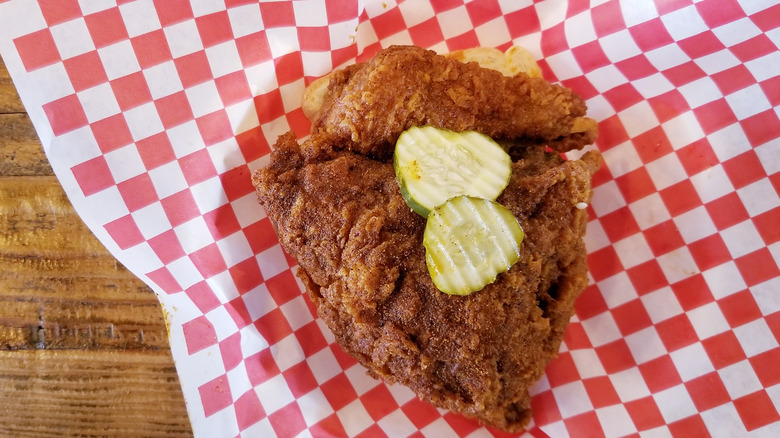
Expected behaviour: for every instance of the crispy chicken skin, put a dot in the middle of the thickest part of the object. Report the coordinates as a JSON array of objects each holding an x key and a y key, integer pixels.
[
  {"x": 368, "y": 105},
  {"x": 361, "y": 257},
  {"x": 337, "y": 209}
]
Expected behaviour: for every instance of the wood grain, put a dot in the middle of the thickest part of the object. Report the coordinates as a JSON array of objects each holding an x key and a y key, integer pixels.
[
  {"x": 20, "y": 151},
  {"x": 87, "y": 393},
  {"x": 83, "y": 343},
  {"x": 9, "y": 99}
]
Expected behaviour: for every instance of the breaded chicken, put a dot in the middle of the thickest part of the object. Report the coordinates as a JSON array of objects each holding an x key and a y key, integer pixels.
[
  {"x": 368, "y": 105},
  {"x": 359, "y": 247},
  {"x": 340, "y": 213}
]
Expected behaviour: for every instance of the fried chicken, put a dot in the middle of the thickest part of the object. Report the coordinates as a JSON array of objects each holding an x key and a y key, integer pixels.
[
  {"x": 337, "y": 209},
  {"x": 368, "y": 105},
  {"x": 361, "y": 257}
]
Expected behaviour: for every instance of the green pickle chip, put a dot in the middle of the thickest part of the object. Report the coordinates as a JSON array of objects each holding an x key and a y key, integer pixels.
[
  {"x": 468, "y": 242},
  {"x": 433, "y": 165}
]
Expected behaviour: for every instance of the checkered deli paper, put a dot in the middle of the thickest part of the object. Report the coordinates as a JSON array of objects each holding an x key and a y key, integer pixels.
[{"x": 154, "y": 113}]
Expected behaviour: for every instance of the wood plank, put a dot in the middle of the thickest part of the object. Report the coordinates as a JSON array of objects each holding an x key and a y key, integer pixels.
[
  {"x": 35, "y": 323},
  {"x": 39, "y": 221},
  {"x": 40, "y": 227},
  {"x": 20, "y": 150},
  {"x": 89, "y": 393},
  {"x": 9, "y": 99}
]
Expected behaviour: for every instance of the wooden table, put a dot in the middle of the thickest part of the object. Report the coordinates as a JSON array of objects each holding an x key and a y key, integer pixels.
[{"x": 83, "y": 343}]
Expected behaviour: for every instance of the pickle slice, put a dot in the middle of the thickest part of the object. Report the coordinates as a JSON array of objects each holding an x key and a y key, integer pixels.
[
  {"x": 468, "y": 242},
  {"x": 433, "y": 165}
]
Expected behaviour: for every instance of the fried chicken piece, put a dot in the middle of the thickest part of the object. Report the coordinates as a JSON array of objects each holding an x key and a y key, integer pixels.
[
  {"x": 361, "y": 257},
  {"x": 337, "y": 208},
  {"x": 368, "y": 105}
]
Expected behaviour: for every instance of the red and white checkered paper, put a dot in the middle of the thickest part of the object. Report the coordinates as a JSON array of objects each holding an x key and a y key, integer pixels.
[{"x": 154, "y": 113}]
